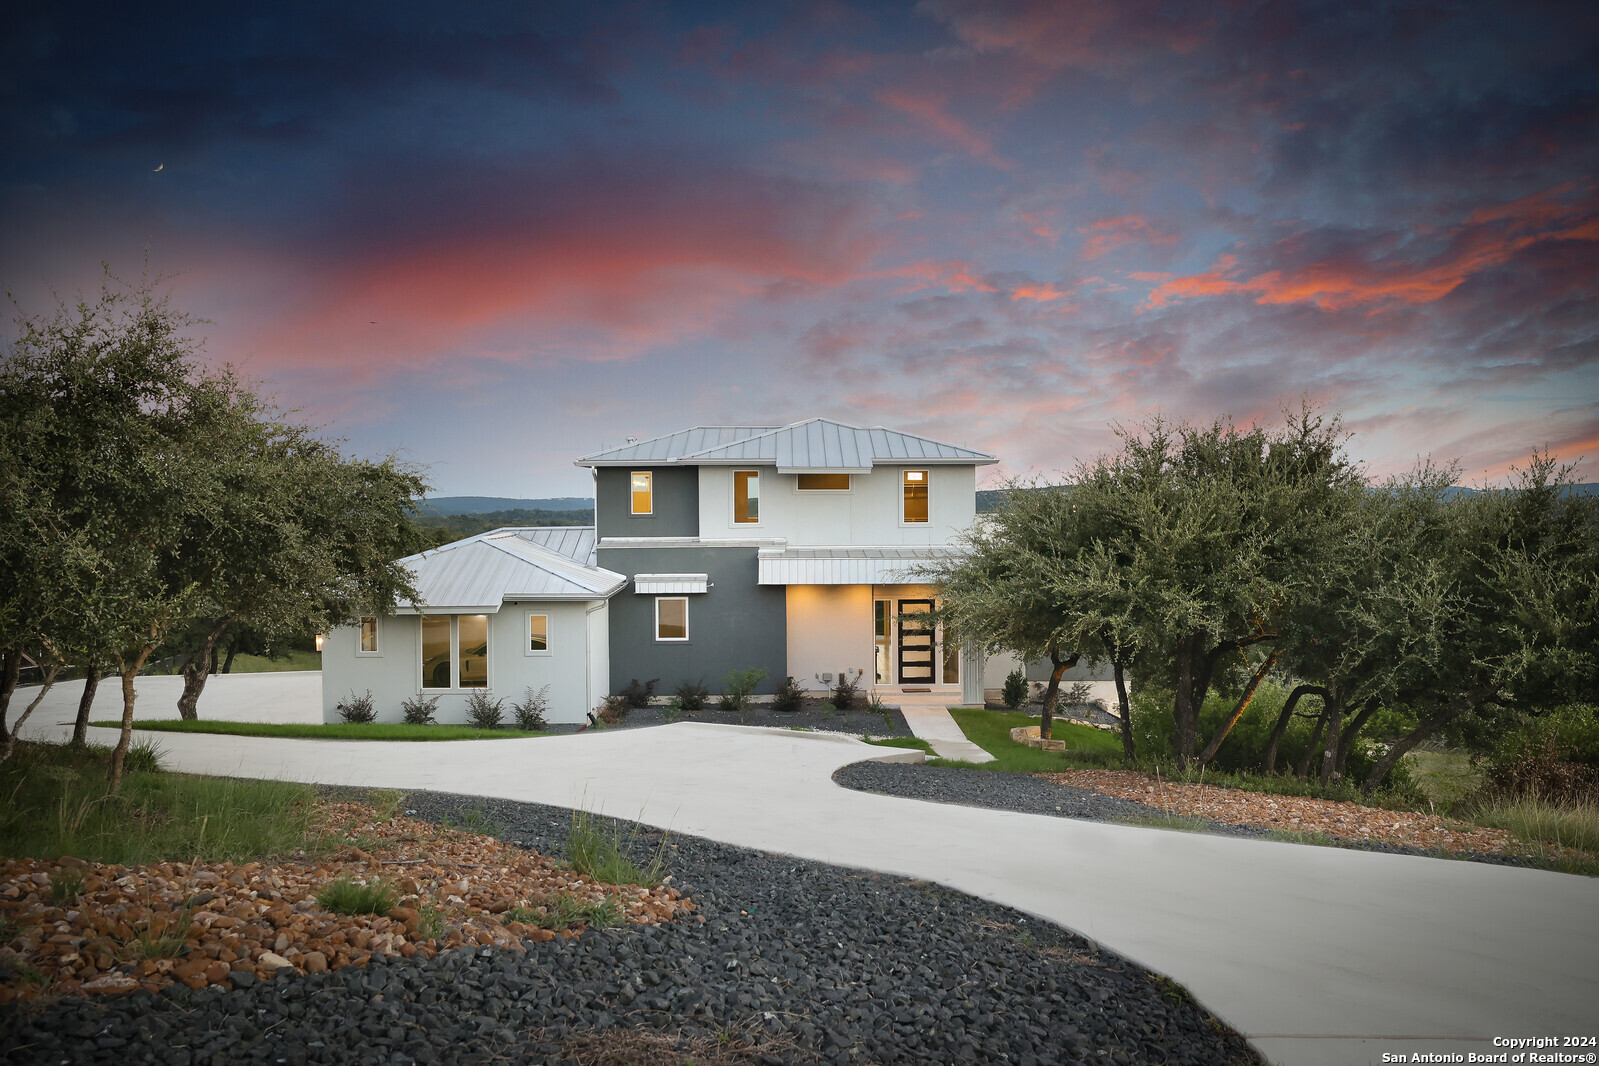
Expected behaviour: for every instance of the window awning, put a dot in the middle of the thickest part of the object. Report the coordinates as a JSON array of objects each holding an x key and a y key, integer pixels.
[
  {"x": 670, "y": 584},
  {"x": 884, "y": 565}
]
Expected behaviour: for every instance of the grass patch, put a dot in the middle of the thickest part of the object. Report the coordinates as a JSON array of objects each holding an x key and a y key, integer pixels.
[
  {"x": 345, "y": 895},
  {"x": 1534, "y": 821},
  {"x": 66, "y": 885},
  {"x": 260, "y": 664},
  {"x": 563, "y": 911},
  {"x": 331, "y": 731},
  {"x": 903, "y": 742},
  {"x": 605, "y": 854},
  {"x": 56, "y": 805},
  {"x": 990, "y": 730},
  {"x": 1183, "y": 823},
  {"x": 1444, "y": 777},
  {"x": 162, "y": 939}
]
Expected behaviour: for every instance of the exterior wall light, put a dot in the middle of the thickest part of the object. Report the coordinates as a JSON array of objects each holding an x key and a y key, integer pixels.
[{"x": 319, "y": 642}]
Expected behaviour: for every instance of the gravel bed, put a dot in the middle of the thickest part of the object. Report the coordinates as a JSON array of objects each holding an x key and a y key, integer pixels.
[
  {"x": 856, "y": 722},
  {"x": 1027, "y": 794},
  {"x": 795, "y": 962}
]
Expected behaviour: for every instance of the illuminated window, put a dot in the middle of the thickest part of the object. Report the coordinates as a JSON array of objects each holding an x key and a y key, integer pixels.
[
  {"x": 455, "y": 651},
  {"x": 435, "y": 651},
  {"x": 671, "y": 618},
  {"x": 746, "y": 496},
  {"x": 369, "y": 634},
  {"x": 643, "y": 496},
  {"x": 472, "y": 662},
  {"x": 538, "y": 634},
  {"x": 823, "y": 482},
  {"x": 915, "y": 507}
]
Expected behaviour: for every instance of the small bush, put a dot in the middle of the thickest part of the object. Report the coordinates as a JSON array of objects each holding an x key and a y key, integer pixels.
[
  {"x": 529, "y": 712},
  {"x": 737, "y": 688},
  {"x": 419, "y": 710},
  {"x": 143, "y": 757},
  {"x": 846, "y": 690},
  {"x": 613, "y": 710},
  {"x": 345, "y": 895},
  {"x": 691, "y": 695},
  {"x": 483, "y": 711},
  {"x": 604, "y": 854},
  {"x": 358, "y": 710},
  {"x": 1015, "y": 690},
  {"x": 1078, "y": 695},
  {"x": 1553, "y": 757},
  {"x": 789, "y": 697},
  {"x": 636, "y": 696}
]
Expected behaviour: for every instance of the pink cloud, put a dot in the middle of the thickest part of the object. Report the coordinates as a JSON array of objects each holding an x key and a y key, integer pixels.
[
  {"x": 929, "y": 110},
  {"x": 1109, "y": 234}
]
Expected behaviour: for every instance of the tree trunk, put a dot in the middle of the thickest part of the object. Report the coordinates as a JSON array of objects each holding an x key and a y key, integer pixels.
[
  {"x": 1427, "y": 728},
  {"x": 10, "y": 670},
  {"x": 91, "y": 682},
  {"x": 1185, "y": 713},
  {"x": 1243, "y": 705},
  {"x": 1046, "y": 724},
  {"x": 49, "y": 679},
  {"x": 1351, "y": 731},
  {"x": 1303, "y": 769},
  {"x": 233, "y": 649},
  {"x": 1126, "y": 709},
  {"x": 129, "y": 671},
  {"x": 1335, "y": 727},
  {"x": 197, "y": 669},
  {"x": 1269, "y": 763}
]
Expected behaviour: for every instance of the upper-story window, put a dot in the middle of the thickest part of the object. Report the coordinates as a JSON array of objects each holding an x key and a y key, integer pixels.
[
  {"x": 824, "y": 482},
  {"x": 746, "y": 496},
  {"x": 643, "y": 492},
  {"x": 913, "y": 508}
]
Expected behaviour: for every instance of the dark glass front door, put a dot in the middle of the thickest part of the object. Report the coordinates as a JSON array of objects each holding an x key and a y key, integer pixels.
[{"x": 915, "y": 643}]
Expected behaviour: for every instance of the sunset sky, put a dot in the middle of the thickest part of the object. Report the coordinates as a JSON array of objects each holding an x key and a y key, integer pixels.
[{"x": 496, "y": 237}]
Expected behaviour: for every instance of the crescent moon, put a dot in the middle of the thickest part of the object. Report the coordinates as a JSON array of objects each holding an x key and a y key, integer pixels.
[{"x": 158, "y": 168}]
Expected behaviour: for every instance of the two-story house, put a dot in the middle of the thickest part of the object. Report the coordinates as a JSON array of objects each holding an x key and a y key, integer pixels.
[{"x": 787, "y": 548}]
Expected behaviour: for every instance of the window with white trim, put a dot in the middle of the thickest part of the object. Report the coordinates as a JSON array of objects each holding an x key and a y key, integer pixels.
[
  {"x": 671, "y": 618},
  {"x": 369, "y": 635},
  {"x": 538, "y": 634},
  {"x": 746, "y": 497},
  {"x": 643, "y": 490},
  {"x": 455, "y": 651},
  {"x": 913, "y": 508}
]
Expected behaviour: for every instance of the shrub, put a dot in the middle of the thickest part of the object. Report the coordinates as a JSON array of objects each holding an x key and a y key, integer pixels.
[
  {"x": 637, "y": 696},
  {"x": 1077, "y": 695},
  {"x": 789, "y": 697},
  {"x": 613, "y": 710},
  {"x": 345, "y": 895},
  {"x": 419, "y": 710},
  {"x": 1553, "y": 757},
  {"x": 529, "y": 712},
  {"x": 358, "y": 710},
  {"x": 691, "y": 695},
  {"x": 1015, "y": 690},
  {"x": 484, "y": 712},
  {"x": 143, "y": 757},
  {"x": 737, "y": 688},
  {"x": 846, "y": 689}
]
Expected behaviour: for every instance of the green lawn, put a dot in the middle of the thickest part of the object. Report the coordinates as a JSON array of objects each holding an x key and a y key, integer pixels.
[
  {"x": 1445, "y": 776},
  {"x": 56, "y": 806},
  {"x": 903, "y": 742},
  {"x": 335, "y": 731},
  {"x": 990, "y": 730},
  {"x": 260, "y": 664}
]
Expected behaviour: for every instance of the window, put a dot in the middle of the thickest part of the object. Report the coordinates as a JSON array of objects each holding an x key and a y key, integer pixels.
[
  {"x": 435, "y": 651},
  {"x": 455, "y": 651},
  {"x": 880, "y": 613},
  {"x": 915, "y": 505},
  {"x": 538, "y": 634},
  {"x": 824, "y": 482},
  {"x": 671, "y": 618},
  {"x": 472, "y": 651},
  {"x": 643, "y": 496},
  {"x": 746, "y": 496},
  {"x": 369, "y": 634}
]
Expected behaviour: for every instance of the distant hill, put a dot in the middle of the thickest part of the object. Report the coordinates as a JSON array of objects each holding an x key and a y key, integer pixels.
[
  {"x": 448, "y": 505},
  {"x": 989, "y": 499},
  {"x": 444, "y": 528}
]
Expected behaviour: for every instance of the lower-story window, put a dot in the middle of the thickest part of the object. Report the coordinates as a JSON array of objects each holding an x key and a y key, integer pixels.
[
  {"x": 671, "y": 618},
  {"x": 455, "y": 651}
]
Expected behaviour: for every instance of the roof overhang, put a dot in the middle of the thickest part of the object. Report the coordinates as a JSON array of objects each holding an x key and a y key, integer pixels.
[
  {"x": 670, "y": 584},
  {"x": 847, "y": 566}
]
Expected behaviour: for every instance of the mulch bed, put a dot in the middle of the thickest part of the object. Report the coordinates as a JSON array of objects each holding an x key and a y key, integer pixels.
[{"x": 250, "y": 922}]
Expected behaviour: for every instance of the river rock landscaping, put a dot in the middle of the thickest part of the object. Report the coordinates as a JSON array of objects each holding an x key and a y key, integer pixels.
[{"x": 780, "y": 961}]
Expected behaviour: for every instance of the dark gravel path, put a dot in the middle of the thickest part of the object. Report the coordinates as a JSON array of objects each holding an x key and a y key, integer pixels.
[
  {"x": 795, "y": 962},
  {"x": 858, "y": 722}
]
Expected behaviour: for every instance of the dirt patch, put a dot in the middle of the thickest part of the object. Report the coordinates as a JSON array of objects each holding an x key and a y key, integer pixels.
[
  {"x": 1300, "y": 814},
  {"x": 70, "y": 927}
]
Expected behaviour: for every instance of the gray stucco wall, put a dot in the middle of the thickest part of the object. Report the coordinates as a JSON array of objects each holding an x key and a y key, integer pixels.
[
  {"x": 676, "y": 503},
  {"x": 735, "y": 625}
]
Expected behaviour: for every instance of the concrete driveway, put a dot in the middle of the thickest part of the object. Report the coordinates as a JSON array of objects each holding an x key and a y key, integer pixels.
[{"x": 1318, "y": 955}]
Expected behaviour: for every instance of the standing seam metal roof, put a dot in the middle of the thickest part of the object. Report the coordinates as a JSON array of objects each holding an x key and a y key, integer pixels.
[
  {"x": 815, "y": 444},
  {"x": 482, "y": 572}
]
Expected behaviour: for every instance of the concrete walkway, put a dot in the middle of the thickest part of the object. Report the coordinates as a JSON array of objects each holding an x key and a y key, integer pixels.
[
  {"x": 927, "y": 713},
  {"x": 1319, "y": 955}
]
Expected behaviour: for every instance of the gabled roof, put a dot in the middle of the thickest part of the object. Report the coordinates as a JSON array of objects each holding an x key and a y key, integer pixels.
[
  {"x": 816, "y": 444},
  {"x": 533, "y": 563}
]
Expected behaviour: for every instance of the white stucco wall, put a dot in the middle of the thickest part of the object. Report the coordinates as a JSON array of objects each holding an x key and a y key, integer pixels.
[
  {"x": 394, "y": 674},
  {"x": 1097, "y": 676},
  {"x": 869, "y": 513},
  {"x": 829, "y": 629}
]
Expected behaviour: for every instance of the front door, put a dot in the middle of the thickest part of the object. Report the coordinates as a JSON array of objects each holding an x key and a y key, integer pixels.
[{"x": 916, "y": 633}]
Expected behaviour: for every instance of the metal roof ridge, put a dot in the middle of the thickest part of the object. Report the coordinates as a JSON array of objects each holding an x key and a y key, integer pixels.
[
  {"x": 662, "y": 436},
  {"x": 563, "y": 566}
]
